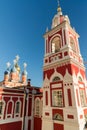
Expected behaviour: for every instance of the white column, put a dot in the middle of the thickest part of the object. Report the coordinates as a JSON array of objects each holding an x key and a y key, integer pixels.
[{"x": 66, "y": 34}]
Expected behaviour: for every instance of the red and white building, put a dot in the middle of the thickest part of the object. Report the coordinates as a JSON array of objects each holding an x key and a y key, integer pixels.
[
  {"x": 20, "y": 103},
  {"x": 61, "y": 104}
]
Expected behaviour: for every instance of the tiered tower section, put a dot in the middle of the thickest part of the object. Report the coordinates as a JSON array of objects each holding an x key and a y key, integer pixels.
[{"x": 64, "y": 86}]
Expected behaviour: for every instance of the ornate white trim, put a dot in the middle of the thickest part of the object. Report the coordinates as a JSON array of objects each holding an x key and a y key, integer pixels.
[
  {"x": 56, "y": 74},
  {"x": 10, "y": 115},
  {"x": 17, "y": 114},
  {"x": 67, "y": 76}
]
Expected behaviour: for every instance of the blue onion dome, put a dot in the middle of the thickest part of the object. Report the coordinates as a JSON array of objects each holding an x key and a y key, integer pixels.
[
  {"x": 24, "y": 73},
  {"x": 6, "y": 72},
  {"x": 13, "y": 69}
]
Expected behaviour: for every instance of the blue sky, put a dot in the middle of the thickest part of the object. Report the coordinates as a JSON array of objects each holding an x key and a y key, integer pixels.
[{"x": 22, "y": 25}]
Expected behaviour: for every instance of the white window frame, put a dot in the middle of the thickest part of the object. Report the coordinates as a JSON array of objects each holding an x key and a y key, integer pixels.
[
  {"x": 37, "y": 107},
  {"x": 57, "y": 98},
  {"x": 17, "y": 114}
]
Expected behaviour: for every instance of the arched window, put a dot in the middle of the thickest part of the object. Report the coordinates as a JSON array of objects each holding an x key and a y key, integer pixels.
[
  {"x": 10, "y": 109},
  {"x": 82, "y": 92},
  {"x": 37, "y": 107},
  {"x": 17, "y": 110},
  {"x": 55, "y": 79},
  {"x": 56, "y": 44},
  {"x": 83, "y": 97},
  {"x": 72, "y": 44},
  {"x": 57, "y": 116},
  {"x": 1, "y": 107},
  {"x": 80, "y": 79}
]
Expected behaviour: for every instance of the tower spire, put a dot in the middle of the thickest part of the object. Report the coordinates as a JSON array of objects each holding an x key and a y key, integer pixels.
[
  {"x": 58, "y": 3},
  {"x": 59, "y": 8}
]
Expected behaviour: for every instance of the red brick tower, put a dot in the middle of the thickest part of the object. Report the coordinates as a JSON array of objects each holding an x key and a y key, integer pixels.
[{"x": 64, "y": 85}]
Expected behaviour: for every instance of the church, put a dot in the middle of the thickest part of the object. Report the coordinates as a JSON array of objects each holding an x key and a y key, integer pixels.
[{"x": 61, "y": 103}]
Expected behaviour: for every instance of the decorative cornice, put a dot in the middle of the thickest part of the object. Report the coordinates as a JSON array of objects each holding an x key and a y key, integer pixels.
[
  {"x": 56, "y": 64},
  {"x": 55, "y": 29}
]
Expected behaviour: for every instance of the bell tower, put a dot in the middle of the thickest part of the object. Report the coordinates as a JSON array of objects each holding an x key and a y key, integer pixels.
[{"x": 64, "y": 79}]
